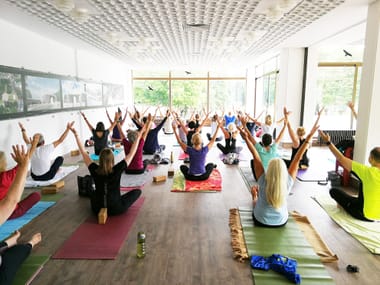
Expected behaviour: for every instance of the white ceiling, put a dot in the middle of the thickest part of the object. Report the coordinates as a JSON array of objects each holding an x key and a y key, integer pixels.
[{"x": 155, "y": 33}]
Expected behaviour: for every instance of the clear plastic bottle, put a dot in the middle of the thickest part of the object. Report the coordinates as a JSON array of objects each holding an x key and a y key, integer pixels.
[{"x": 140, "y": 244}]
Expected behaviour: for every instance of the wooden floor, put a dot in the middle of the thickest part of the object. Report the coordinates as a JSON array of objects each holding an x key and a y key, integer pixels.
[{"x": 188, "y": 238}]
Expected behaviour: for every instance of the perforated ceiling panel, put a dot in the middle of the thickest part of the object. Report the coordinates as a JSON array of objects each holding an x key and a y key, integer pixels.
[{"x": 173, "y": 33}]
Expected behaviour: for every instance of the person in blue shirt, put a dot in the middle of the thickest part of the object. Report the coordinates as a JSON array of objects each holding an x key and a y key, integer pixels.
[
  {"x": 269, "y": 196},
  {"x": 198, "y": 169}
]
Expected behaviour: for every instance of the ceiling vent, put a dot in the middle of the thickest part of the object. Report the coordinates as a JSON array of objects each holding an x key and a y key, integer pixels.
[{"x": 196, "y": 27}]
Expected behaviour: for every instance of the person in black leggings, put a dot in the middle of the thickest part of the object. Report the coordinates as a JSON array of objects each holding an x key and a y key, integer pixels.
[{"x": 13, "y": 255}]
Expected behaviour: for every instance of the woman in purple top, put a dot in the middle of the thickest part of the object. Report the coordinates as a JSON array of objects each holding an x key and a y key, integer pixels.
[{"x": 198, "y": 170}]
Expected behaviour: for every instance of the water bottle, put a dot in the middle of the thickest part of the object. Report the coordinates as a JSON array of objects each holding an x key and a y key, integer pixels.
[{"x": 140, "y": 244}]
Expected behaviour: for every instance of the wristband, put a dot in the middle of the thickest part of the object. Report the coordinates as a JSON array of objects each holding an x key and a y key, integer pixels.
[
  {"x": 22, "y": 130},
  {"x": 328, "y": 143}
]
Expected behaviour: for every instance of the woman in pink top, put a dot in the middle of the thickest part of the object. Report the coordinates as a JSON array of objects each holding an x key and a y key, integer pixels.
[{"x": 136, "y": 166}]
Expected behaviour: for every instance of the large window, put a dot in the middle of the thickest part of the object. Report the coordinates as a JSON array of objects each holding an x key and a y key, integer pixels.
[
  {"x": 338, "y": 82},
  {"x": 337, "y": 85},
  {"x": 266, "y": 87},
  {"x": 188, "y": 92}
]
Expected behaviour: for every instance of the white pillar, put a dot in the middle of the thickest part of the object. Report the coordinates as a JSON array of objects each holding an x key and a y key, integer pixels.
[{"x": 367, "y": 129}]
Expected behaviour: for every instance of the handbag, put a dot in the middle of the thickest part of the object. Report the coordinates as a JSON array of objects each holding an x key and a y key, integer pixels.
[{"x": 86, "y": 185}]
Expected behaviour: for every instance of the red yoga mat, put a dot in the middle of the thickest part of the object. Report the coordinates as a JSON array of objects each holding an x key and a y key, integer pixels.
[{"x": 93, "y": 241}]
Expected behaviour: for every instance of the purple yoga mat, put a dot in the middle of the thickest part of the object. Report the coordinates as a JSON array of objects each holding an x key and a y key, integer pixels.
[{"x": 93, "y": 241}]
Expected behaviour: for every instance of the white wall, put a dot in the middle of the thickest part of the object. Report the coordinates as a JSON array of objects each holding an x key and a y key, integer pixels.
[{"x": 23, "y": 48}]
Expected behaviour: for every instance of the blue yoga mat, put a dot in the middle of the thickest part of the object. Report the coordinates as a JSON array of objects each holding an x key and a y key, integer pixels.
[
  {"x": 93, "y": 156},
  {"x": 12, "y": 225}
]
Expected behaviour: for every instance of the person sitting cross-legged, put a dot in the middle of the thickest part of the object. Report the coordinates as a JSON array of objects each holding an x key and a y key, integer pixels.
[
  {"x": 42, "y": 169},
  {"x": 365, "y": 206},
  {"x": 197, "y": 170},
  {"x": 269, "y": 197},
  {"x": 137, "y": 165},
  {"x": 107, "y": 176}
]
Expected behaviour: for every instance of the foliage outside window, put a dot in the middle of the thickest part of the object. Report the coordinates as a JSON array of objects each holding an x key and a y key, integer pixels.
[
  {"x": 190, "y": 91},
  {"x": 335, "y": 89}
]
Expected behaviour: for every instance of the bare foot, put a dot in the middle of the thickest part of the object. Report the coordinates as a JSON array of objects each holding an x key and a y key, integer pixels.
[
  {"x": 36, "y": 238},
  {"x": 13, "y": 239}
]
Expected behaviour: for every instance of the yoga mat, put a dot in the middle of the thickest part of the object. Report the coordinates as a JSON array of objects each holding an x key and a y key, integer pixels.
[
  {"x": 132, "y": 181},
  {"x": 367, "y": 233},
  {"x": 93, "y": 156},
  {"x": 93, "y": 241},
  {"x": 212, "y": 184},
  {"x": 318, "y": 167},
  {"x": 288, "y": 241},
  {"x": 313, "y": 237},
  {"x": 30, "y": 269},
  {"x": 246, "y": 173},
  {"x": 182, "y": 155},
  {"x": 62, "y": 172},
  {"x": 10, "y": 226},
  {"x": 312, "y": 174},
  {"x": 52, "y": 197}
]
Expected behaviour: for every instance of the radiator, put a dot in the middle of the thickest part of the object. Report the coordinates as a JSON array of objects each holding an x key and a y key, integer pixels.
[{"x": 338, "y": 135}]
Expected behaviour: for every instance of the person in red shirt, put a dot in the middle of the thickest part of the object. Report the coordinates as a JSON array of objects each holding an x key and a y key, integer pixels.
[{"x": 6, "y": 179}]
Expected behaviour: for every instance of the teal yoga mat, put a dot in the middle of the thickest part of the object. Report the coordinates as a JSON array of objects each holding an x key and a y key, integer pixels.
[
  {"x": 10, "y": 226},
  {"x": 288, "y": 241}
]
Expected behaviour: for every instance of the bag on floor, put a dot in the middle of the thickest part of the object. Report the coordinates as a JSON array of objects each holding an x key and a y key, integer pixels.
[{"x": 86, "y": 185}]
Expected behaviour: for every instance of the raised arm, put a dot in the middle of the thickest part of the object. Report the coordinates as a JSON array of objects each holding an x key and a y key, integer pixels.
[
  {"x": 86, "y": 158},
  {"x": 212, "y": 141},
  {"x": 180, "y": 142},
  {"x": 203, "y": 122},
  {"x": 128, "y": 158},
  {"x": 13, "y": 196},
  {"x": 145, "y": 130},
  {"x": 344, "y": 161},
  {"x": 257, "y": 163},
  {"x": 285, "y": 120},
  {"x": 108, "y": 116},
  {"x": 247, "y": 132},
  {"x": 293, "y": 168},
  {"x": 116, "y": 119},
  {"x": 87, "y": 122},
  {"x": 125, "y": 116},
  {"x": 64, "y": 135},
  {"x": 24, "y": 135},
  {"x": 293, "y": 136},
  {"x": 122, "y": 135},
  {"x": 352, "y": 107}
]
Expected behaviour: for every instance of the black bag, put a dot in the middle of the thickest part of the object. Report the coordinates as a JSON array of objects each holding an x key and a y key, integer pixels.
[{"x": 86, "y": 185}]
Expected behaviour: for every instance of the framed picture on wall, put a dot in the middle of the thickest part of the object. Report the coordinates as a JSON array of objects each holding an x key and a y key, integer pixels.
[
  {"x": 42, "y": 93},
  {"x": 11, "y": 98},
  {"x": 73, "y": 94},
  {"x": 113, "y": 94},
  {"x": 94, "y": 95}
]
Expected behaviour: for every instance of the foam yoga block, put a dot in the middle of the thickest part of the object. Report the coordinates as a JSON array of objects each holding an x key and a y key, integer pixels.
[
  {"x": 160, "y": 178},
  {"x": 53, "y": 188},
  {"x": 102, "y": 216}
]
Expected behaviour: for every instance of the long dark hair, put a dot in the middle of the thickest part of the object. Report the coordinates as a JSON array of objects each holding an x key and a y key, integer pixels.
[{"x": 106, "y": 162}]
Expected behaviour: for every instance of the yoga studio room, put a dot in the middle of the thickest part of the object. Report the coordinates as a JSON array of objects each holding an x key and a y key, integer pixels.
[{"x": 189, "y": 142}]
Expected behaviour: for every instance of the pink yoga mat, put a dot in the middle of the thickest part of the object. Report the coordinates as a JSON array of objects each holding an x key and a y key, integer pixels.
[{"x": 93, "y": 241}]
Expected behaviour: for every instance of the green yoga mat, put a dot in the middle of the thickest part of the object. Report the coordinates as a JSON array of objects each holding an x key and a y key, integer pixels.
[
  {"x": 367, "y": 233},
  {"x": 29, "y": 269},
  {"x": 288, "y": 241}
]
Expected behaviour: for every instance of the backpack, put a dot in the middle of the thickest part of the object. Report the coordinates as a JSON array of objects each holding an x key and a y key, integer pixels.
[{"x": 86, "y": 185}]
